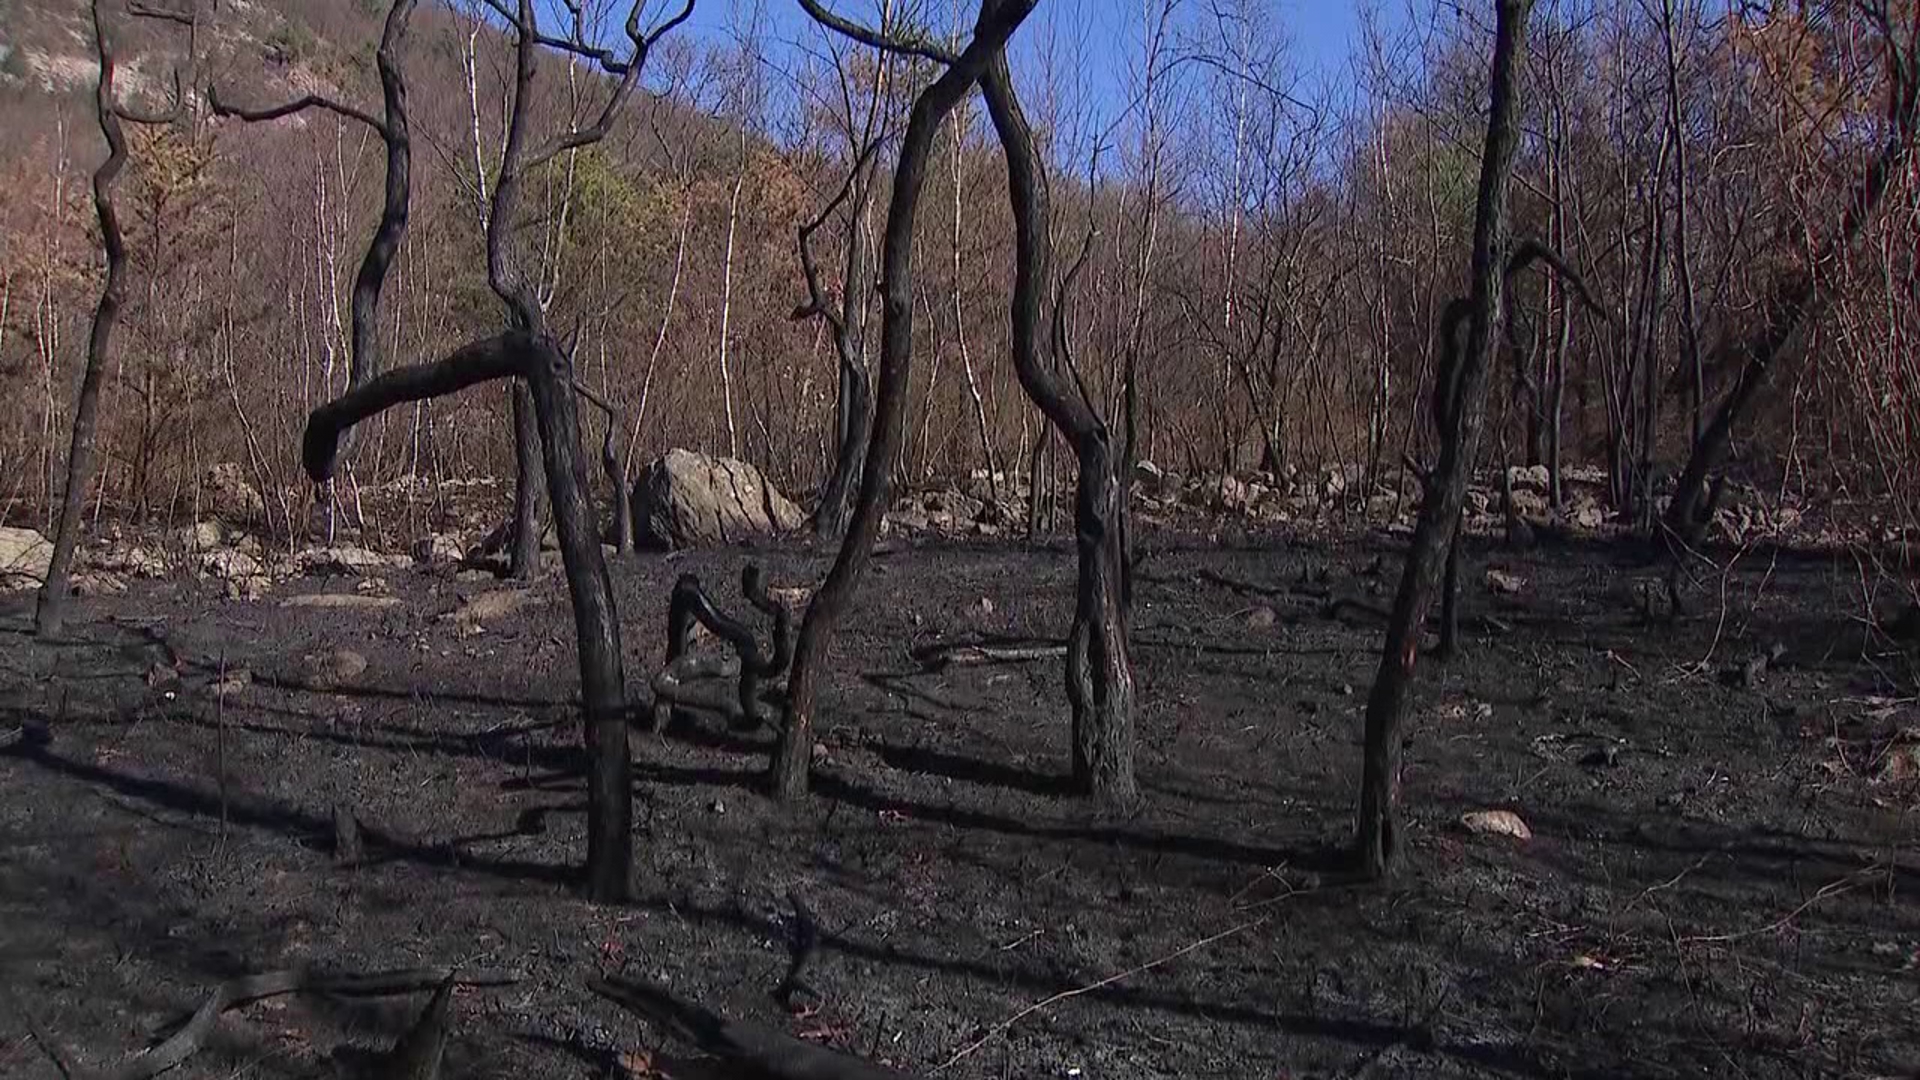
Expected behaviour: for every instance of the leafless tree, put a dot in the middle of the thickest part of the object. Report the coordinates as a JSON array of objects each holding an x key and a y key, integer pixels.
[
  {"x": 1379, "y": 844},
  {"x": 1796, "y": 303},
  {"x": 49, "y": 613},
  {"x": 529, "y": 351},
  {"x": 997, "y": 22}
]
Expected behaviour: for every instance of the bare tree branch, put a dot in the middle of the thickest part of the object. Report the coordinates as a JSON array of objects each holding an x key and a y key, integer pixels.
[{"x": 902, "y": 46}]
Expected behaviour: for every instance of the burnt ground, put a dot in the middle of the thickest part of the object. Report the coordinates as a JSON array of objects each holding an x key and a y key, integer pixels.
[{"x": 1722, "y": 878}]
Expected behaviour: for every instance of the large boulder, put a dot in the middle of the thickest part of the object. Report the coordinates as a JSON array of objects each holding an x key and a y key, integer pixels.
[
  {"x": 24, "y": 558},
  {"x": 688, "y": 499}
]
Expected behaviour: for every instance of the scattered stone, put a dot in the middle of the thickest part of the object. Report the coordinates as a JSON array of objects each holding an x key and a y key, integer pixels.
[
  {"x": 203, "y": 536},
  {"x": 793, "y": 597},
  {"x": 231, "y": 565},
  {"x": 341, "y": 560},
  {"x": 439, "y": 549},
  {"x": 98, "y": 583},
  {"x": 1530, "y": 477},
  {"x": 225, "y": 491},
  {"x": 133, "y": 561},
  {"x": 1502, "y": 583},
  {"x": 24, "y": 558},
  {"x": 332, "y": 669},
  {"x": 1496, "y": 823},
  {"x": 687, "y": 499},
  {"x": 248, "y": 589}
]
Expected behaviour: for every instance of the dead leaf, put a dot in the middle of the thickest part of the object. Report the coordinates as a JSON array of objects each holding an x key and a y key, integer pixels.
[{"x": 1496, "y": 823}]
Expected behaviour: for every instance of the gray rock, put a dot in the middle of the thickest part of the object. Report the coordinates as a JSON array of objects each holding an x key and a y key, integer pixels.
[
  {"x": 688, "y": 499},
  {"x": 229, "y": 495},
  {"x": 24, "y": 558}
]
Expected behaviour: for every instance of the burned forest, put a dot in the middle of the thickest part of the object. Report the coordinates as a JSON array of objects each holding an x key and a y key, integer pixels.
[{"x": 846, "y": 539}]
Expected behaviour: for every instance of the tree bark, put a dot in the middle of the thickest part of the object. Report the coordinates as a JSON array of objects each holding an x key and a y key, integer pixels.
[
  {"x": 793, "y": 757},
  {"x": 1100, "y": 684},
  {"x": 523, "y": 558},
  {"x": 1379, "y": 844}
]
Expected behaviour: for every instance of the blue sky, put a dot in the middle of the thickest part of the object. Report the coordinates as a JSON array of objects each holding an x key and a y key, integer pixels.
[{"x": 1320, "y": 34}]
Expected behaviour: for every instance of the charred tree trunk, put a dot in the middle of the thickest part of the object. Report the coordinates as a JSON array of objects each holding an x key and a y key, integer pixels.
[
  {"x": 528, "y": 352},
  {"x": 794, "y": 755},
  {"x": 50, "y": 609},
  {"x": 523, "y": 550},
  {"x": 1379, "y": 844},
  {"x": 848, "y": 329},
  {"x": 538, "y": 360},
  {"x": 1099, "y": 666}
]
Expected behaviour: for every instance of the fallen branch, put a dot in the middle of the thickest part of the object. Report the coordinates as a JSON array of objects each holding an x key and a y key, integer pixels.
[
  {"x": 1089, "y": 988},
  {"x": 763, "y": 1051},
  {"x": 250, "y": 988},
  {"x": 935, "y": 657},
  {"x": 1827, "y": 891}
]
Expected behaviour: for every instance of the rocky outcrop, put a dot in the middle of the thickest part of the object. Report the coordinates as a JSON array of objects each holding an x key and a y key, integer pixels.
[{"x": 688, "y": 500}]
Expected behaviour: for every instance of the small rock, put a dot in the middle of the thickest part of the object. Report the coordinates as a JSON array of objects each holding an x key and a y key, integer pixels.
[
  {"x": 203, "y": 536},
  {"x": 985, "y": 605},
  {"x": 718, "y": 807},
  {"x": 1496, "y": 823},
  {"x": 229, "y": 495},
  {"x": 1503, "y": 583},
  {"x": 230, "y": 565},
  {"x": 99, "y": 583},
  {"x": 345, "y": 560},
  {"x": 438, "y": 549},
  {"x": 1261, "y": 618},
  {"x": 248, "y": 589},
  {"x": 332, "y": 669},
  {"x": 24, "y": 558}
]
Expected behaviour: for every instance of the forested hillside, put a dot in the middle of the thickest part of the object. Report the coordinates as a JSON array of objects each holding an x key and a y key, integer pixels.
[{"x": 1267, "y": 245}]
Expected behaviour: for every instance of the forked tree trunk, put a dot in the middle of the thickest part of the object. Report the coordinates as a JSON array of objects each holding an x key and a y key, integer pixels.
[
  {"x": 1379, "y": 844},
  {"x": 1099, "y": 667},
  {"x": 793, "y": 757}
]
